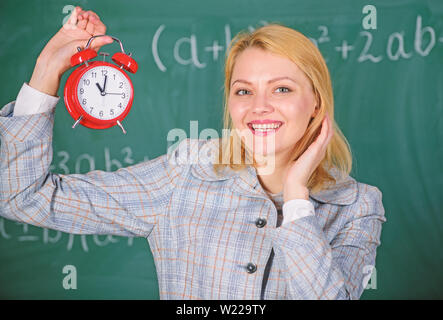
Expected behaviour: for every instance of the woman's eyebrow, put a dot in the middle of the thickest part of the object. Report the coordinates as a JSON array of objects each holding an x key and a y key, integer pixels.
[{"x": 270, "y": 81}]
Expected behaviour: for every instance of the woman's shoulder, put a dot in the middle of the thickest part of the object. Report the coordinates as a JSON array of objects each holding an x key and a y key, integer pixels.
[
  {"x": 347, "y": 191},
  {"x": 200, "y": 154}
]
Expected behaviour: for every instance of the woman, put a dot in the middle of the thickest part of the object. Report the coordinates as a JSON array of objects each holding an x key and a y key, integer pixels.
[{"x": 269, "y": 213}]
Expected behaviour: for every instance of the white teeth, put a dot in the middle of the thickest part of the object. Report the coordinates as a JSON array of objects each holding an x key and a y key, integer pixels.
[{"x": 265, "y": 127}]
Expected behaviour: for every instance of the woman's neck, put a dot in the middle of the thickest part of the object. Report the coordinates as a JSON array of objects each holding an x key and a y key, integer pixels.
[{"x": 272, "y": 180}]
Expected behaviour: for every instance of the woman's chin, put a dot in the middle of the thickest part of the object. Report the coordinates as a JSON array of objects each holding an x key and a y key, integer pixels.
[{"x": 262, "y": 150}]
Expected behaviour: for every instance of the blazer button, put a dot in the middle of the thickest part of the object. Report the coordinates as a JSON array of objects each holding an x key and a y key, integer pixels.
[
  {"x": 251, "y": 268},
  {"x": 260, "y": 222}
]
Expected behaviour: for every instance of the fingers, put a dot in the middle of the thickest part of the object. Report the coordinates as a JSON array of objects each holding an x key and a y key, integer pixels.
[
  {"x": 325, "y": 136},
  {"x": 97, "y": 27},
  {"x": 327, "y": 132},
  {"x": 80, "y": 13},
  {"x": 71, "y": 23},
  {"x": 99, "y": 42},
  {"x": 330, "y": 129},
  {"x": 81, "y": 24},
  {"x": 94, "y": 26},
  {"x": 92, "y": 13},
  {"x": 90, "y": 26},
  {"x": 74, "y": 16},
  {"x": 82, "y": 21},
  {"x": 100, "y": 27},
  {"x": 90, "y": 22}
]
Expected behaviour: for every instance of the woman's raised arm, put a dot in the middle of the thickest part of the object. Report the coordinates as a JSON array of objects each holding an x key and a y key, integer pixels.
[{"x": 129, "y": 201}]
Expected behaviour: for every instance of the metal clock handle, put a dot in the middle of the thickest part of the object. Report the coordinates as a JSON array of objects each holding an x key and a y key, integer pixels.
[{"x": 102, "y": 35}]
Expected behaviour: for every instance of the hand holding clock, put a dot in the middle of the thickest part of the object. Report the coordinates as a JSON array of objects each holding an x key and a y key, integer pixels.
[{"x": 55, "y": 57}]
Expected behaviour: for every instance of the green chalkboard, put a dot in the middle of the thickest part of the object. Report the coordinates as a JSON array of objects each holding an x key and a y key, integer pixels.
[{"x": 388, "y": 87}]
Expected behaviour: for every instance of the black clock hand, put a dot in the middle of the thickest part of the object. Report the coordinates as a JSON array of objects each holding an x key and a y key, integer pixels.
[
  {"x": 99, "y": 88},
  {"x": 104, "y": 84}
]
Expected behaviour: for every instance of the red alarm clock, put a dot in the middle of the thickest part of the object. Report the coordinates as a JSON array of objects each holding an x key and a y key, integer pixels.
[{"x": 99, "y": 94}]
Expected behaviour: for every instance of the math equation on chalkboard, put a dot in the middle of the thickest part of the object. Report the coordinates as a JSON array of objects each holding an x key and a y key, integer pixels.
[
  {"x": 24, "y": 233},
  {"x": 367, "y": 46}
]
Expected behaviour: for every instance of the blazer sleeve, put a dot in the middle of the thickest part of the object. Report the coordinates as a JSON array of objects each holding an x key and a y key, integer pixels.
[
  {"x": 317, "y": 269},
  {"x": 127, "y": 202}
]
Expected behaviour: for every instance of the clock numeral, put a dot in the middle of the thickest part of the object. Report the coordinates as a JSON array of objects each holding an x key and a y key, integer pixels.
[
  {"x": 100, "y": 113},
  {"x": 93, "y": 74},
  {"x": 114, "y": 76},
  {"x": 104, "y": 72},
  {"x": 111, "y": 112},
  {"x": 82, "y": 90},
  {"x": 86, "y": 82},
  {"x": 120, "y": 105},
  {"x": 121, "y": 85},
  {"x": 84, "y": 101},
  {"x": 123, "y": 95},
  {"x": 92, "y": 108}
]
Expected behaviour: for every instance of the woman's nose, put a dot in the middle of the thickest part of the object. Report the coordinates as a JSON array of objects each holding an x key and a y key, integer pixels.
[{"x": 261, "y": 105}]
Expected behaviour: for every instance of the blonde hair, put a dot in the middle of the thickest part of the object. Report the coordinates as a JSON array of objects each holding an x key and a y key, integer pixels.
[{"x": 299, "y": 49}]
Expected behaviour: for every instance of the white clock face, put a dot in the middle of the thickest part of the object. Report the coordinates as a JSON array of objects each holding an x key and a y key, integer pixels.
[{"x": 104, "y": 92}]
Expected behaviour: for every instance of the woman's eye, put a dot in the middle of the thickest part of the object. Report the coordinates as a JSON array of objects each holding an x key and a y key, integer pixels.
[
  {"x": 284, "y": 89},
  {"x": 241, "y": 92}
]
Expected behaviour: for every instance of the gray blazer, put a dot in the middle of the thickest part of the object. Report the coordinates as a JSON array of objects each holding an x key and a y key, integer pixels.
[{"x": 202, "y": 228}]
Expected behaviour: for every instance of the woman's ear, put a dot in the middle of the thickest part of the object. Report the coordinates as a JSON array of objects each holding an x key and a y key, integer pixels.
[
  {"x": 316, "y": 109},
  {"x": 314, "y": 114},
  {"x": 317, "y": 104}
]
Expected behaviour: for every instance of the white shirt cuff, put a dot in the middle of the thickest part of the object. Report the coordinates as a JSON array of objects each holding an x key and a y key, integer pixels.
[
  {"x": 31, "y": 101},
  {"x": 296, "y": 209}
]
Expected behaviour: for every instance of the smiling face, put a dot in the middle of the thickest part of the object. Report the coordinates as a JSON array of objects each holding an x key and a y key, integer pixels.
[{"x": 270, "y": 98}]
